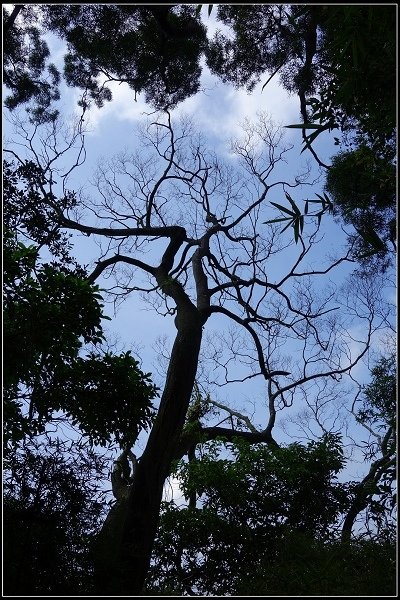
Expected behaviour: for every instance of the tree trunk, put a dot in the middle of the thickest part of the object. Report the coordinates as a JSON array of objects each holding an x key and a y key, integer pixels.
[
  {"x": 128, "y": 562},
  {"x": 364, "y": 493}
]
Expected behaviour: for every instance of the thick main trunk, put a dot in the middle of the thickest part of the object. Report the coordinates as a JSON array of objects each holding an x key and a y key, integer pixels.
[{"x": 128, "y": 561}]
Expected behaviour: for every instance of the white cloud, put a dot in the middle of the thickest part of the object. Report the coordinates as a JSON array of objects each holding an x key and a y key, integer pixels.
[
  {"x": 218, "y": 109},
  {"x": 123, "y": 107}
]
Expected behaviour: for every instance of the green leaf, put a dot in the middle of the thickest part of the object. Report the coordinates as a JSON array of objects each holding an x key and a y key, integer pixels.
[{"x": 310, "y": 138}]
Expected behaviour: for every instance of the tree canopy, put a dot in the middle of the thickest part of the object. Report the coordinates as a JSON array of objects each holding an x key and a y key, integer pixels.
[
  {"x": 276, "y": 533},
  {"x": 195, "y": 235}
]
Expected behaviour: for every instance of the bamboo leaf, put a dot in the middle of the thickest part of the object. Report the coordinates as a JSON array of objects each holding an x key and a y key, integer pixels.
[
  {"x": 294, "y": 206},
  {"x": 283, "y": 209},
  {"x": 288, "y": 225},
  {"x": 296, "y": 231},
  {"x": 373, "y": 239},
  {"x": 304, "y": 126},
  {"x": 277, "y": 220}
]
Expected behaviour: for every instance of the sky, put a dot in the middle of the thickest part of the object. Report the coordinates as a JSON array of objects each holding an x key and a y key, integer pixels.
[{"x": 218, "y": 111}]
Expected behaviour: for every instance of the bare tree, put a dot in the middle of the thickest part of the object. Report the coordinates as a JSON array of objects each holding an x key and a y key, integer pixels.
[{"x": 178, "y": 225}]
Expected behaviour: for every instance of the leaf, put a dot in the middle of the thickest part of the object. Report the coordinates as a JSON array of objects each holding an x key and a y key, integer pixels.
[
  {"x": 277, "y": 220},
  {"x": 296, "y": 231},
  {"x": 288, "y": 225},
  {"x": 373, "y": 239},
  {"x": 310, "y": 138},
  {"x": 294, "y": 206},
  {"x": 306, "y": 208},
  {"x": 283, "y": 209},
  {"x": 210, "y": 7},
  {"x": 305, "y": 126}
]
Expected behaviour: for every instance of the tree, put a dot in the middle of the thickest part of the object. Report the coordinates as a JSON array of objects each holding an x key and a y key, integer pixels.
[
  {"x": 53, "y": 507},
  {"x": 277, "y": 491},
  {"x": 200, "y": 221},
  {"x": 341, "y": 62},
  {"x": 338, "y": 59},
  {"x": 215, "y": 259},
  {"x": 24, "y": 67},
  {"x": 267, "y": 522},
  {"x": 51, "y": 311},
  {"x": 154, "y": 49},
  {"x": 363, "y": 189},
  {"x": 377, "y": 413}
]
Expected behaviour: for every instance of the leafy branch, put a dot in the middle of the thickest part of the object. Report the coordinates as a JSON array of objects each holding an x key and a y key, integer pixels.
[{"x": 295, "y": 217}]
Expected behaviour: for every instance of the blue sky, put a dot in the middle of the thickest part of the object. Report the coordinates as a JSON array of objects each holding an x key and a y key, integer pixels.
[{"x": 217, "y": 111}]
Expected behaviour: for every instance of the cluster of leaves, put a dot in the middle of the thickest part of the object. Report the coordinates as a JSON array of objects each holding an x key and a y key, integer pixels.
[
  {"x": 48, "y": 311},
  {"x": 378, "y": 412},
  {"x": 379, "y": 396},
  {"x": 250, "y": 503},
  {"x": 25, "y": 69},
  {"x": 358, "y": 50},
  {"x": 108, "y": 396},
  {"x": 267, "y": 526},
  {"x": 53, "y": 507},
  {"x": 341, "y": 61},
  {"x": 296, "y": 218},
  {"x": 31, "y": 210},
  {"x": 51, "y": 311},
  {"x": 363, "y": 189},
  {"x": 155, "y": 49},
  {"x": 304, "y": 566}
]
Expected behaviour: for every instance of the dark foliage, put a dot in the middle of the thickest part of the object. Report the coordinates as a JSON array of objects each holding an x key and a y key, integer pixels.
[
  {"x": 25, "y": 70},
  {"x": 53, "y": 506},
  {"x": 250, "y": 504},
  {"x": 155, "y": 49},
  {"x": 51, "y": 312},
  {"x": 267, "y": 525},
  {"x": 363, "y": 189}
]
